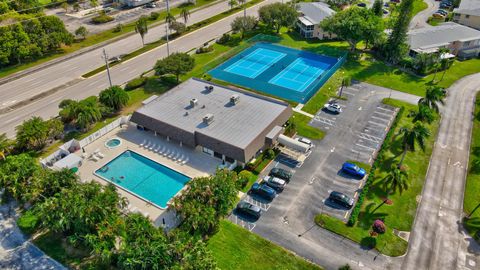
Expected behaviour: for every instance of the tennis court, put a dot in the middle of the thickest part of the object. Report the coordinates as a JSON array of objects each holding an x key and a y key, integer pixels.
[
  {"x": 278, "y": 71},
  {"x": 255, "y": 63},
  {"x": 300, "y": 74}
]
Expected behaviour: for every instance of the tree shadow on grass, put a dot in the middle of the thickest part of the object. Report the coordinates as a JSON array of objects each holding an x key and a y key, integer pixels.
[
  {"x": 371, "y": 214},
  {"x": 368, "y": 242}
]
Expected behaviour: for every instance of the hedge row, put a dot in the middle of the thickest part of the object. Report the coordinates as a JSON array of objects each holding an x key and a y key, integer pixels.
[
  {"x": 135, "y": 83},
  {"x": 371, "y": 176}
]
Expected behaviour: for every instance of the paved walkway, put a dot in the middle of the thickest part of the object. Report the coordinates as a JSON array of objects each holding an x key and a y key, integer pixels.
[
  {"x": 15, "y": 251},
  {"x": 420, "y": 20},
  {"x": 438, "y": 240}
]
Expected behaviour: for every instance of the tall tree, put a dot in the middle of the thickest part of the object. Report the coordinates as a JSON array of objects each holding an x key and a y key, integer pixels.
[
  {"x": 32, "y": 134},
  {"x": 353, "y": 25},
  {"x": 423, "y": 114},
  {"x": 243, "y": 24},
  {"x": 81, "y": 31},
  {"x": 244, "y": 4},
  {"x": 114, "y": 97},
  {"x": 396, "y": 179},
  {"x": 433, "y": 96},
  {"x": 141, "y": 27},
  {"x": 278, "y": 15},
  {"x": 176, "y": 64},
  {"x": 395, "y": 47},
  {"x": 206, "y": 200},
  {"x": 185, "y": 13},
  {"x": 16, "y": 176},
  {"x": 377, "y": 8},
  {"x": 411, "y": 136}
]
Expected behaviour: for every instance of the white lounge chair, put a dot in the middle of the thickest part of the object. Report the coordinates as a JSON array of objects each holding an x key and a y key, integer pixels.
[
  {"x": 152, "y": 146},
  {"x": 171, "y": 154},
  {"x": 143, "y": 143},
  {"x": 177, "y": 156},
  {"x": 180, "y": 159},
  {"x": 100, "y": 154},
  {"x": 156, "y": 149},
  {"x": 166, "y": 153},
  {"x": 185, "y": 161},
  {"x": 94, "y": 157},
  {"x": 147, "y": 145},
  {"x": 161, "y": 149}
]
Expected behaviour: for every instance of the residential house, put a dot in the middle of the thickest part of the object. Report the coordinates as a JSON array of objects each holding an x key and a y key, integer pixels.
[
  {"x": 462, "y": 41},
  {"x": 311, "y": 14},
  {"x": 468, "y": 13}
]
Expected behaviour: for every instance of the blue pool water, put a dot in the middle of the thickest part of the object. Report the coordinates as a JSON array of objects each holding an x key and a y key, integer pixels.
[
  {"x": 279, "y": 71},
  {"x": 143, "y": 177}
]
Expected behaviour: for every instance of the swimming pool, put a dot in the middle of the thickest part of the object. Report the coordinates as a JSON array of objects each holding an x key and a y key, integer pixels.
[
  {"x": 143, "y": 178},
  {"x": 112, "y": 143},
  {"x": 279, "y": 71}
]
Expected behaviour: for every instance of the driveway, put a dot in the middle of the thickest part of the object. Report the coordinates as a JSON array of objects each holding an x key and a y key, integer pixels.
[
  {"x": 420, "y": 20},
  {"x": 289, "y": 220},
  {"x": 438, "y": 240},
  {"x": 15, "y": 251}
]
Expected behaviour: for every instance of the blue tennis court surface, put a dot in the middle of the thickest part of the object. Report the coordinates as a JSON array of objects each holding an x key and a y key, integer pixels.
[
  {"x": 279, "y": 71},
  {"x": 255, "y": 63}
]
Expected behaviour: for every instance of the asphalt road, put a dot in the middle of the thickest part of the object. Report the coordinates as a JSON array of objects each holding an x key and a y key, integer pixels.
[
  {"x": 420, "y": 20},
  {"x": 289, "y": 219},
  {"x": 67, "y": 71},
  {"x": 48, "y": 107},
  {"x": 438, "y": 240}
]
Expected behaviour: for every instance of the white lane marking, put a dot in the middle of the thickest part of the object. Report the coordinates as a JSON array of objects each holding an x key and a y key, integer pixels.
[
  {"x": 365, "y": 146},
  {"x": 333, "y": 149},
  {"x": 390, "y": 115},
  {"x": 360, "y": 108},
  {"x": 324, "y": 120},
  {"x": 379, "y": 118},
  {"x": 369, "y": 137},
  {"x": 378, "y": 124},
  {"x": 385, "y": 109}
]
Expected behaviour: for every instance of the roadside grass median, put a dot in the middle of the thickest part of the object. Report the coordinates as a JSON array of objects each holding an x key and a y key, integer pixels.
[
  {"x": 400, "y": 214},
  {"x": 472, "y": 187},
  {"x": 236, "y": 248}
]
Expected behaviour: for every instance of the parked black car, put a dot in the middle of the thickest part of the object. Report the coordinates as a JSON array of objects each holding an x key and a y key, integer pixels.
[
  {"x": 263, "y": 190},
  {"x": 341, "y": 199},
  {"x": 249, "y": 209},
  {"x": 281, "y": 173}
]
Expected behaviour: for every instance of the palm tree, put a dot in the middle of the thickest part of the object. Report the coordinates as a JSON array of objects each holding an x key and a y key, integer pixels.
[
  {"x": 141, "y": 27},
  {"x": 114, "y": 97},
  {"x": 185, "y": 13},
  {"x": 433, "y": 96},
  {"x": 473, "y": 211},
  {"x": 88, "y": 114},
  {"x": 5, "y": 145},
  {"x": 411, "y": 137},
  {"x": 423, "y": 114},
  {"x": 397, "y": 179},
  {"x": 243, "y": 3},
  {"x": 232, "y": 3},
  {"x": 439, "y": 58},
  {"x": 170, "y": 18}
]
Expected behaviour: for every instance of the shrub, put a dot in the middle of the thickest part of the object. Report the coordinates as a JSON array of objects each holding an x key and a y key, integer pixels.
[
  {"x": 269, "y": 154},
  {"x": 378, "y": 226},
  {"x": 207, "y": 77},
  {"x": 102, "y": 18},
  {"x": 135, "y": 83},
  {"x": 28, "y": 222},
  {"x": 154, "y": 16},
  {"x": 224, "y": 39},
  {"x": 118, "y": 28},
  {"x": 178, "y": 27},
  {"x": 243, "y": 178},
  {"x": 204, "y": 49}
]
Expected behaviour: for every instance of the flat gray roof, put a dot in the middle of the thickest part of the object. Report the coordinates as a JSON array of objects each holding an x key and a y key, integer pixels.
[
  {"x": 237, "y": 125},
  {"x": 315, "y": 12},
  {"x": 441, "y": 35},
  {"x": 469, "y": 7}
]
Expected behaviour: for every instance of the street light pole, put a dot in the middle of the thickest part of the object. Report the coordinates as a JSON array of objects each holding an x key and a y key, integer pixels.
[
  {"x": 105, "y": 56},
  {"x": 167, "y": 29}
]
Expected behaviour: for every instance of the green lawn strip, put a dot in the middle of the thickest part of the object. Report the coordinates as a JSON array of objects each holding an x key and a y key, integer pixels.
[
  {"x": 400, "y": 215},
  {"x": 418, "y": 5},
  {"x": 472, "y": 186},
  {"x": 127, "y": 29},
  {"x": 387, "y": 243},
  {"x": 303, "y": 129},
  {"x": 236, "y": 248}
]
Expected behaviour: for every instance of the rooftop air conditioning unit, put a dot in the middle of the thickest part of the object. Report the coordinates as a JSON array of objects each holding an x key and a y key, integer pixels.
[
  {"x": 234, "y": 99},
  {"x": 208, "y": 88},
  {"x": 208, "y": 119},
  {"x": 193, "y": 102}
]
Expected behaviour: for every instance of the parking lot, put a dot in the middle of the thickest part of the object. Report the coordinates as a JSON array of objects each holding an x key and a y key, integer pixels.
[{"x": 354, "y": 134}]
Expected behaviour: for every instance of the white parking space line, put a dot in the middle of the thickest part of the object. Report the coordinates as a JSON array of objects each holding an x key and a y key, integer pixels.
[
  {"x": 385, "y": 109},
  {"x": 348, "y": 93},
  {"x": 324, "y": 120},
  {"x": 379, "y": 118},
  {"x": 389, "y": 114},
  {"x": 378, "y": 124},
  {"x": 370, "y": 138},
  {"x": 367, "y": 147},
  {"x": 353, "y": 88}
]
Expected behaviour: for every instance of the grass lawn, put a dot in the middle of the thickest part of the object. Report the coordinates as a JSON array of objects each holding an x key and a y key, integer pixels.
[
  {"x": 303, "y": 129},
  {"x": 236, "y": 248},
  {"x": 405, "y": 203},
  {"x": 472, "y": 187},
  {"x": 418, "y": 5}
]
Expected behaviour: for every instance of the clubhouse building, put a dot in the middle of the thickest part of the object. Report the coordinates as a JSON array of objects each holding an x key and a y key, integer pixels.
[{"x": 227, "y": 123}]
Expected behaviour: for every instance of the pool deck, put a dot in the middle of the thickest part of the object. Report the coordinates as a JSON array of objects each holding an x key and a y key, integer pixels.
[{"x": 199, "y": 164}]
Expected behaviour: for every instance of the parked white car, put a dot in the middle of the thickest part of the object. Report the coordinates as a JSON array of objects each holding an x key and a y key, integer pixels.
[
  {"x": 305, "y": 141},
  {"x": 333, "y": 107}
]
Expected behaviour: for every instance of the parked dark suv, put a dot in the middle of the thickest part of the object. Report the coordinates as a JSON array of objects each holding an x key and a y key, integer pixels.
[
  {"x": 281, "y": 173},
  {"x": 249, "y": 209},
  {"x": 263, "y": 190},
  {"x": 341, "y": 199}
]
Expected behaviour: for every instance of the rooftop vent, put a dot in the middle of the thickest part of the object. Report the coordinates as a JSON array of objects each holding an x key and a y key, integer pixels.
[
  {"x": 208, "y": 88},
  {"x": 234, "y": 99},
  {"x": 208, "y": 119},
  {"x": 193, "y": 102}
]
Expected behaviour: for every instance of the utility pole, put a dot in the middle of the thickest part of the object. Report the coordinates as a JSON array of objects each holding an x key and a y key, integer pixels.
[
  {"x": 105, "y": 56},
  {"x": 167, "y": 28}
]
